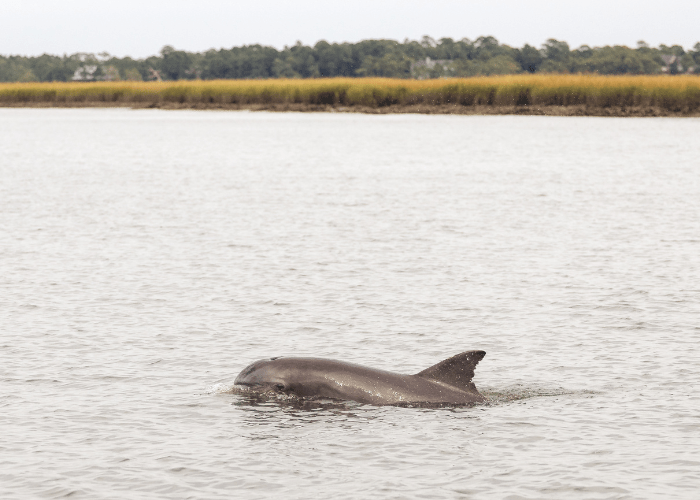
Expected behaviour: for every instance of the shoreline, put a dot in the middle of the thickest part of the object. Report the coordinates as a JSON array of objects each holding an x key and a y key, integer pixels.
[{"x": 427, "y": 109}]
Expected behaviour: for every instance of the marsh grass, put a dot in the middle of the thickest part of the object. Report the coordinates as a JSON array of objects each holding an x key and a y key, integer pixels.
[{"x": 680, "y": 94}]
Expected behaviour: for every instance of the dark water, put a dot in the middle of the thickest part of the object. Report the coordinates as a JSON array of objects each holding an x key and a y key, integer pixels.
[{"x": 148, "y": 256}]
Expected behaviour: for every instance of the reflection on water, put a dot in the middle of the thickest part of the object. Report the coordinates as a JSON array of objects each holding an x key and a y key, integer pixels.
[
  {"x": 246, "y": 398},
  {"x": 146, "y": 256},
  {"x": 261, "y": 407},
  {"x": 313, "y": 403}
]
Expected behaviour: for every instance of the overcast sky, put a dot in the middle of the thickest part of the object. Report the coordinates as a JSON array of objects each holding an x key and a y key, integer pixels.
[{"x": 139, "y": 28}]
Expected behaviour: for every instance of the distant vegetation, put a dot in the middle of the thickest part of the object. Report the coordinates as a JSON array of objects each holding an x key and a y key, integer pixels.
[
  {"x": 678, "y": 95},
  {"x": 426, "y": 58}
]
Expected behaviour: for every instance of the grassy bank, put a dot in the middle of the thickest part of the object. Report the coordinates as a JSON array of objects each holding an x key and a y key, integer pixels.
[{"x": 581, "y": 94}]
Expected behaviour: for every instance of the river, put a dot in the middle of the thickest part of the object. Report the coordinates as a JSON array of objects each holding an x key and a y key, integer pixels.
[{"x": 147, "y": 256}]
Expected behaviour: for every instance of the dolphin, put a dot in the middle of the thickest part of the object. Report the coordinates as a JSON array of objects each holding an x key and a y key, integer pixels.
[{"x": 448, "y": 382}]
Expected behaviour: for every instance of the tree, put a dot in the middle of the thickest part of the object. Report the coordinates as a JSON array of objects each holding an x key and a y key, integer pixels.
[
  {"x": 695, "y": 54},
  {"x": 529, "y": 58},
  {"x": 16, "y": 69},
  {"x": 48, "y": 68},
  {"x": 175, "y": 64},
  {"x": 483, "y": 56},
  {"x": 557, "y": 56}
]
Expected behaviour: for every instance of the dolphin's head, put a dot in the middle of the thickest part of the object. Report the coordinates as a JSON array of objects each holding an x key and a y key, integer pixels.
[{"x": 265, "y": 375}]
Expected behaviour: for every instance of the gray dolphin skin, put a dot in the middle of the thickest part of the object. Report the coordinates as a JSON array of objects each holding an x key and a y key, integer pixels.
[{"x": 448, "y": 382}]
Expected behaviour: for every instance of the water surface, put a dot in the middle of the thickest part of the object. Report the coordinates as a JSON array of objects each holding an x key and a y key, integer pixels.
[{"x": 148, "y": 256}]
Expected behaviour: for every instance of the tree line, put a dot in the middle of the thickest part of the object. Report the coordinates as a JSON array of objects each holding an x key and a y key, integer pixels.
[{"x": 425, "y": 58}]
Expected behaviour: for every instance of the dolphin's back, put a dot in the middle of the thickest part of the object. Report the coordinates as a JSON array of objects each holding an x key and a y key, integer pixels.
[{"x": 446, "y": 382}]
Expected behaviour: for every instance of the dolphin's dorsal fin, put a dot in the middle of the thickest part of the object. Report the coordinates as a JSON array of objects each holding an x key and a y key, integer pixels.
[{"x": 456, "y": 371}]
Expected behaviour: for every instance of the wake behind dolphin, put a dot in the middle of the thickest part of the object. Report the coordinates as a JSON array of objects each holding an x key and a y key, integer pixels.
[{"x": 448, "y": 382}]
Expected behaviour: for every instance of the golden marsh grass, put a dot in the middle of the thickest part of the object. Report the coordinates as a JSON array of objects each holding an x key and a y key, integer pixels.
[{"x": 679, "y": 94}]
